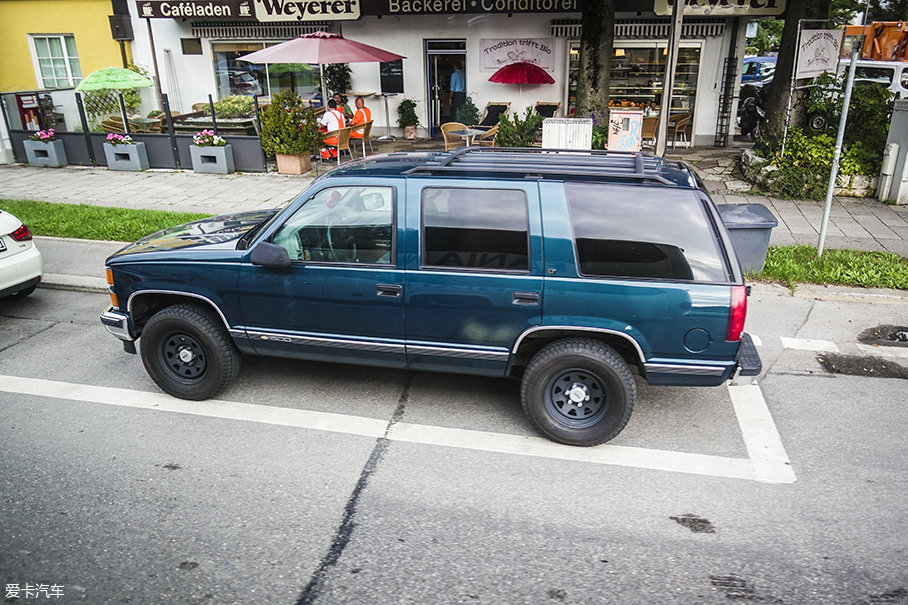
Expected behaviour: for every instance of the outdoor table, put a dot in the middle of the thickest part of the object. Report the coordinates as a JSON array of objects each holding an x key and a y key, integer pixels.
[{"x": 467, "y": 134}]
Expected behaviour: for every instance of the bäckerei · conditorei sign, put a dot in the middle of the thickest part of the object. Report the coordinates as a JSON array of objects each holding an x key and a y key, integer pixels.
[
  {"x": 455, "y": 7},
  {"x": 263, "y": 10}
]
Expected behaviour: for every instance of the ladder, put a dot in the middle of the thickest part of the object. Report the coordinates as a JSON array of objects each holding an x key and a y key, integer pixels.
[{"x": 726, "y": 97}]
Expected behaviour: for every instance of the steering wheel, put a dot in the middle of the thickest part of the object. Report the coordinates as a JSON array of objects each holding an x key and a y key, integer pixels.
[{"x": 341, "y": 241}]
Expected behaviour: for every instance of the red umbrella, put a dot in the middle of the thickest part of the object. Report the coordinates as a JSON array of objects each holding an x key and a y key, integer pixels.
[
  {"x": 522, "y": 73},
  {"x": 320, "y": 47}
]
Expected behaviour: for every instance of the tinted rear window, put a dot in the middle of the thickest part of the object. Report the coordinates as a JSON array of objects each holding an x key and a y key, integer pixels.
[{"x": 643, "y": 232}]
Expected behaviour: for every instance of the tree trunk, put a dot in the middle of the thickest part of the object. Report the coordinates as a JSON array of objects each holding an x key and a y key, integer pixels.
[
  {"x": 785, "y": 65},
  {"x": 596, "y": 43}
]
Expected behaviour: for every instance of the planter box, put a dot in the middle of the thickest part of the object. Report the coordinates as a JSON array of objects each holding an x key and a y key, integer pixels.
[
  {"x": 45, "y": 153},
  {"x": 293, "y": 164},
  {"x": 126, "y": 157},
  {"x": 212, "y": 160}
]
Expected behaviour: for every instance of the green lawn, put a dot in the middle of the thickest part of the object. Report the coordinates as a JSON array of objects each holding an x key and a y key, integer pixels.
[
  {"x": 791, "y": 265},
  {"x": 93, "y": 222}
]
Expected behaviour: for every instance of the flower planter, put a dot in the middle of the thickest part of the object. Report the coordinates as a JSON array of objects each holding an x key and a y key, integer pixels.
[
  {"x": 293, "y": 163},
  {"x": 45, "y": 153},
  {"x": 410, "y": 132},
  {"x": 126, "y": 157},
  {"x": 212, "y": 160}
]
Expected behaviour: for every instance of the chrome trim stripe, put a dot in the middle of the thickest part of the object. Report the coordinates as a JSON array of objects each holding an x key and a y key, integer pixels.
[
  {"x": 335, "y": 343},
  {"x": 455, "y": 352},
  {"x": 664, "y": 368},
  {"x": 177, "y": 293},
  {"x": 580, "y": 329}
]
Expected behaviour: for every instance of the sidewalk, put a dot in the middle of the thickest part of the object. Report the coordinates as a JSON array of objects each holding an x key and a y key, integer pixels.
[{"x": 864, "y": 224}]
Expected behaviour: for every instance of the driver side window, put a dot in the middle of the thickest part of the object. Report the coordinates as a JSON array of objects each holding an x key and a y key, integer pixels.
[{"x": 349, "y": 225}]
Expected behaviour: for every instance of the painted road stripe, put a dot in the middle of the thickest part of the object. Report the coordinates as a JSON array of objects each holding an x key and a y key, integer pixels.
[
  {"x": 768, "y": 462},
  {"x": 806, "y": 344},
  {"x": 764, "y": 445},
  {"x": 883, "y": 351},
  {"x": 757, "y": 341}
]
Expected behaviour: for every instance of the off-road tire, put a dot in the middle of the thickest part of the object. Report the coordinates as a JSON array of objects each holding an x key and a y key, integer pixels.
[
  {"x": 580, "y": 366},
  {"x": 214, "y": 361}
]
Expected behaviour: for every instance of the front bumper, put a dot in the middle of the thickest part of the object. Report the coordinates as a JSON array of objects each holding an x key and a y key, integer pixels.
[{"x": 119, "y": 324}]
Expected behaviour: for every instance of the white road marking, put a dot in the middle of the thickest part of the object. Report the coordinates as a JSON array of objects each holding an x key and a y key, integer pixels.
[
  {"x": 757, "y": 341},
  {"x": 883, "y": 351},
  {"x": 768, "y": 462},
  {"x": 806, "y": 344},
  {"x": 764, "y": 445}
]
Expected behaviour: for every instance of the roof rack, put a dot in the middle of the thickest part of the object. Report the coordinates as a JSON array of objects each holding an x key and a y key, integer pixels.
[{"x": 621, "y": 165}]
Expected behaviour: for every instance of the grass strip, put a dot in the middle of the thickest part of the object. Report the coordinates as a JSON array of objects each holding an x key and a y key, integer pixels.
[
  {"x": 792, "y": 265},
  {"x": 94, "y": 222}
]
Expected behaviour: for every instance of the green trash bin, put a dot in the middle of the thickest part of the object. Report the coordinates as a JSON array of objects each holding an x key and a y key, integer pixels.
[{"x": 749, "y": 226}]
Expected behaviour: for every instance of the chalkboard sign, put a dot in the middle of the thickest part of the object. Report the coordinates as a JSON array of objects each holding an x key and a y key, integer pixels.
[{"x": 392, "y": 76}]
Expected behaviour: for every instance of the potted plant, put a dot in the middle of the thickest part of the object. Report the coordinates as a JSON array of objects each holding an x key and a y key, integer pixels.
[
  {"x": 290, "y": 133},
  {"x": 514, "y": 132},
  {"x": 210, "y": 153},
  {"x": 123, "y": 154},
  {"x": 44, "y": 149},
  {"x": 407, "y": 118}
]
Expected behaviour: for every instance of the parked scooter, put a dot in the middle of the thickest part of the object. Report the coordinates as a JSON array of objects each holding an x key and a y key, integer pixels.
[{"x": 752, "y": 111}]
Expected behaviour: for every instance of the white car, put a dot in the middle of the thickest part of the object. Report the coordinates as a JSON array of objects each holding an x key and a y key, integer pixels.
[{"x": 20, "y": 261}]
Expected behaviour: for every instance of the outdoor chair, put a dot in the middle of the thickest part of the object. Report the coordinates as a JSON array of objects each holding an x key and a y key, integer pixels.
[
  {"x": 452, "y": 141},
  {"x": 366, "y": 130},
  {"x": 546, "y": 109},
  {"x": 343, "y": 141},
  {"x": 678, "y": 124},
  {"x": 488, "y": 139},
  {"x": 648, "y": 134},
  {"x": 491, "y": 115}
]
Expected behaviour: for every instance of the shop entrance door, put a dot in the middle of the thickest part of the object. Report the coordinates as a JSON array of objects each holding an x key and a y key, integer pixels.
[{"x": 441, "y": 58}]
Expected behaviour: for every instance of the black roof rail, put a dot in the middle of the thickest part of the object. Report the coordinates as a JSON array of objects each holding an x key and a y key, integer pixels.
[{"x": 621, "y": 165}]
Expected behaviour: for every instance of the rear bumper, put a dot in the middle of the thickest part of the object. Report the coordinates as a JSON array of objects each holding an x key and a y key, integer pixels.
[
  {"x": 21, "y": 269},
  {"x": 119, "y": 324}
]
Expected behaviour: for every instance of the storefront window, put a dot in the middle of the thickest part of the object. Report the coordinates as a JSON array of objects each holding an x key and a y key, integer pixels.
[
  {"x": 240, "y": 78},
  {"x": 637, "y": 73}
]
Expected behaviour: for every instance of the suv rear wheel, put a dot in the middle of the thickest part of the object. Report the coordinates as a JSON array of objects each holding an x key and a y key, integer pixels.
[
  {"x": 187, "y": 352},
  {"x": 578, "y": 392}
]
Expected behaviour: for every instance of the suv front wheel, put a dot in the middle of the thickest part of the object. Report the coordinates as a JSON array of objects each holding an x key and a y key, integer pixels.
[
  {"x": 187, "y": 352},
  {"x": 578, "y": 392}
]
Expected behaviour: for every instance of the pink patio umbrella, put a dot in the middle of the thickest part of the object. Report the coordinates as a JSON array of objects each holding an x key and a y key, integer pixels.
[
  {"x": 522, "y": 72},
  {"x": 321, "y": 47}
]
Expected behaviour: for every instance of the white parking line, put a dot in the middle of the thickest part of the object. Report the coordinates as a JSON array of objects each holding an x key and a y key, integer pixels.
[
  {"x": 883, "y": 351},
  {"x": 806, "y": 344},
  {"x": 768, "y": 462}
]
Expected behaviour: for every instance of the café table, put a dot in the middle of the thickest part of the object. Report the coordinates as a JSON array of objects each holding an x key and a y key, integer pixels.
[{"x": 467, "y": 134}]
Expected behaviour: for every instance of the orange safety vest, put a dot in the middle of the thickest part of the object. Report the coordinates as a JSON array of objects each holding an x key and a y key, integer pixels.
[
  {"x": 362, "y": 116},
  {"x": 339, "y": 118}
]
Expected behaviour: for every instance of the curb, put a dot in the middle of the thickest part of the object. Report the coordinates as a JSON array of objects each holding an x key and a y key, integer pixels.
[{"x": 78, "y": 283}]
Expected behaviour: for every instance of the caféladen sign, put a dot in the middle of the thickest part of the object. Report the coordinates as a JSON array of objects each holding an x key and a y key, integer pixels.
[{"x": 262, "y": 10}]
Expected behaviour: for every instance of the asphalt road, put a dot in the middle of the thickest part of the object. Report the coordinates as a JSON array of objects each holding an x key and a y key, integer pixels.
[{"x": 317, "y": 483}]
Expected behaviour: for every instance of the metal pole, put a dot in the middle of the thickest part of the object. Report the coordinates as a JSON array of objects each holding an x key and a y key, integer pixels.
[
  {"x": 669, "y": 83},
  {"x": 173, "y": 137},
  {"x": 85, "y": 130},
  {"x": 258, "y": 122},
  {"x": 154, "y": 62},
  {"x": 849, "y": 84},
  {"x": 214, "y": 120},
  {"x": 123, "y": 112},
  {"x": 794, "y": 70}
]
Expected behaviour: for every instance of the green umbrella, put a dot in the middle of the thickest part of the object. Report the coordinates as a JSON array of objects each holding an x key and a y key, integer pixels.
[{"x": 113, "y": 78}]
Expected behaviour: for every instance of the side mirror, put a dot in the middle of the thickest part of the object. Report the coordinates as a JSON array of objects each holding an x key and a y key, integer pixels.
[{"x": 269, "y": 255}]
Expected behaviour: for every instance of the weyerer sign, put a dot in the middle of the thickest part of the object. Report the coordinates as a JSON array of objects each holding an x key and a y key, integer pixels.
[{"x": 263, "y": 10}]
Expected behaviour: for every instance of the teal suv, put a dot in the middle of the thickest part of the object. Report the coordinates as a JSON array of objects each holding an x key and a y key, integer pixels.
[{"x": 571, "y": 271}]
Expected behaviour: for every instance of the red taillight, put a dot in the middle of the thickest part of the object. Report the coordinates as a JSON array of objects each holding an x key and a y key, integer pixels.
[
  {"x": 736, "y": 313},
  {"x": 22, "y": 234}
]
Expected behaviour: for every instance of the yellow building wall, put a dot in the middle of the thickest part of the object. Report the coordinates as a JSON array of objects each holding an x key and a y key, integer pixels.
[{"x": 86, "y": 20}]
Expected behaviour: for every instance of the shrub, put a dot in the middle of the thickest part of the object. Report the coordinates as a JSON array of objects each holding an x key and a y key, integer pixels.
[
  {"x": 288, "y": 126},
  {"x": 233, "y": 106},
  {"x": 514, "y": 132},
  {"x": 406, "y": 113},
  {"x": 337, "y": 77},
  {"x": 467, "y": 113}
]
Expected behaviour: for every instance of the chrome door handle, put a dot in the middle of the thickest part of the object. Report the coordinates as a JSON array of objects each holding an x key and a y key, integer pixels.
[
  {"x": 394, "y": 290},
  {"x": 525, "y": 298}
]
